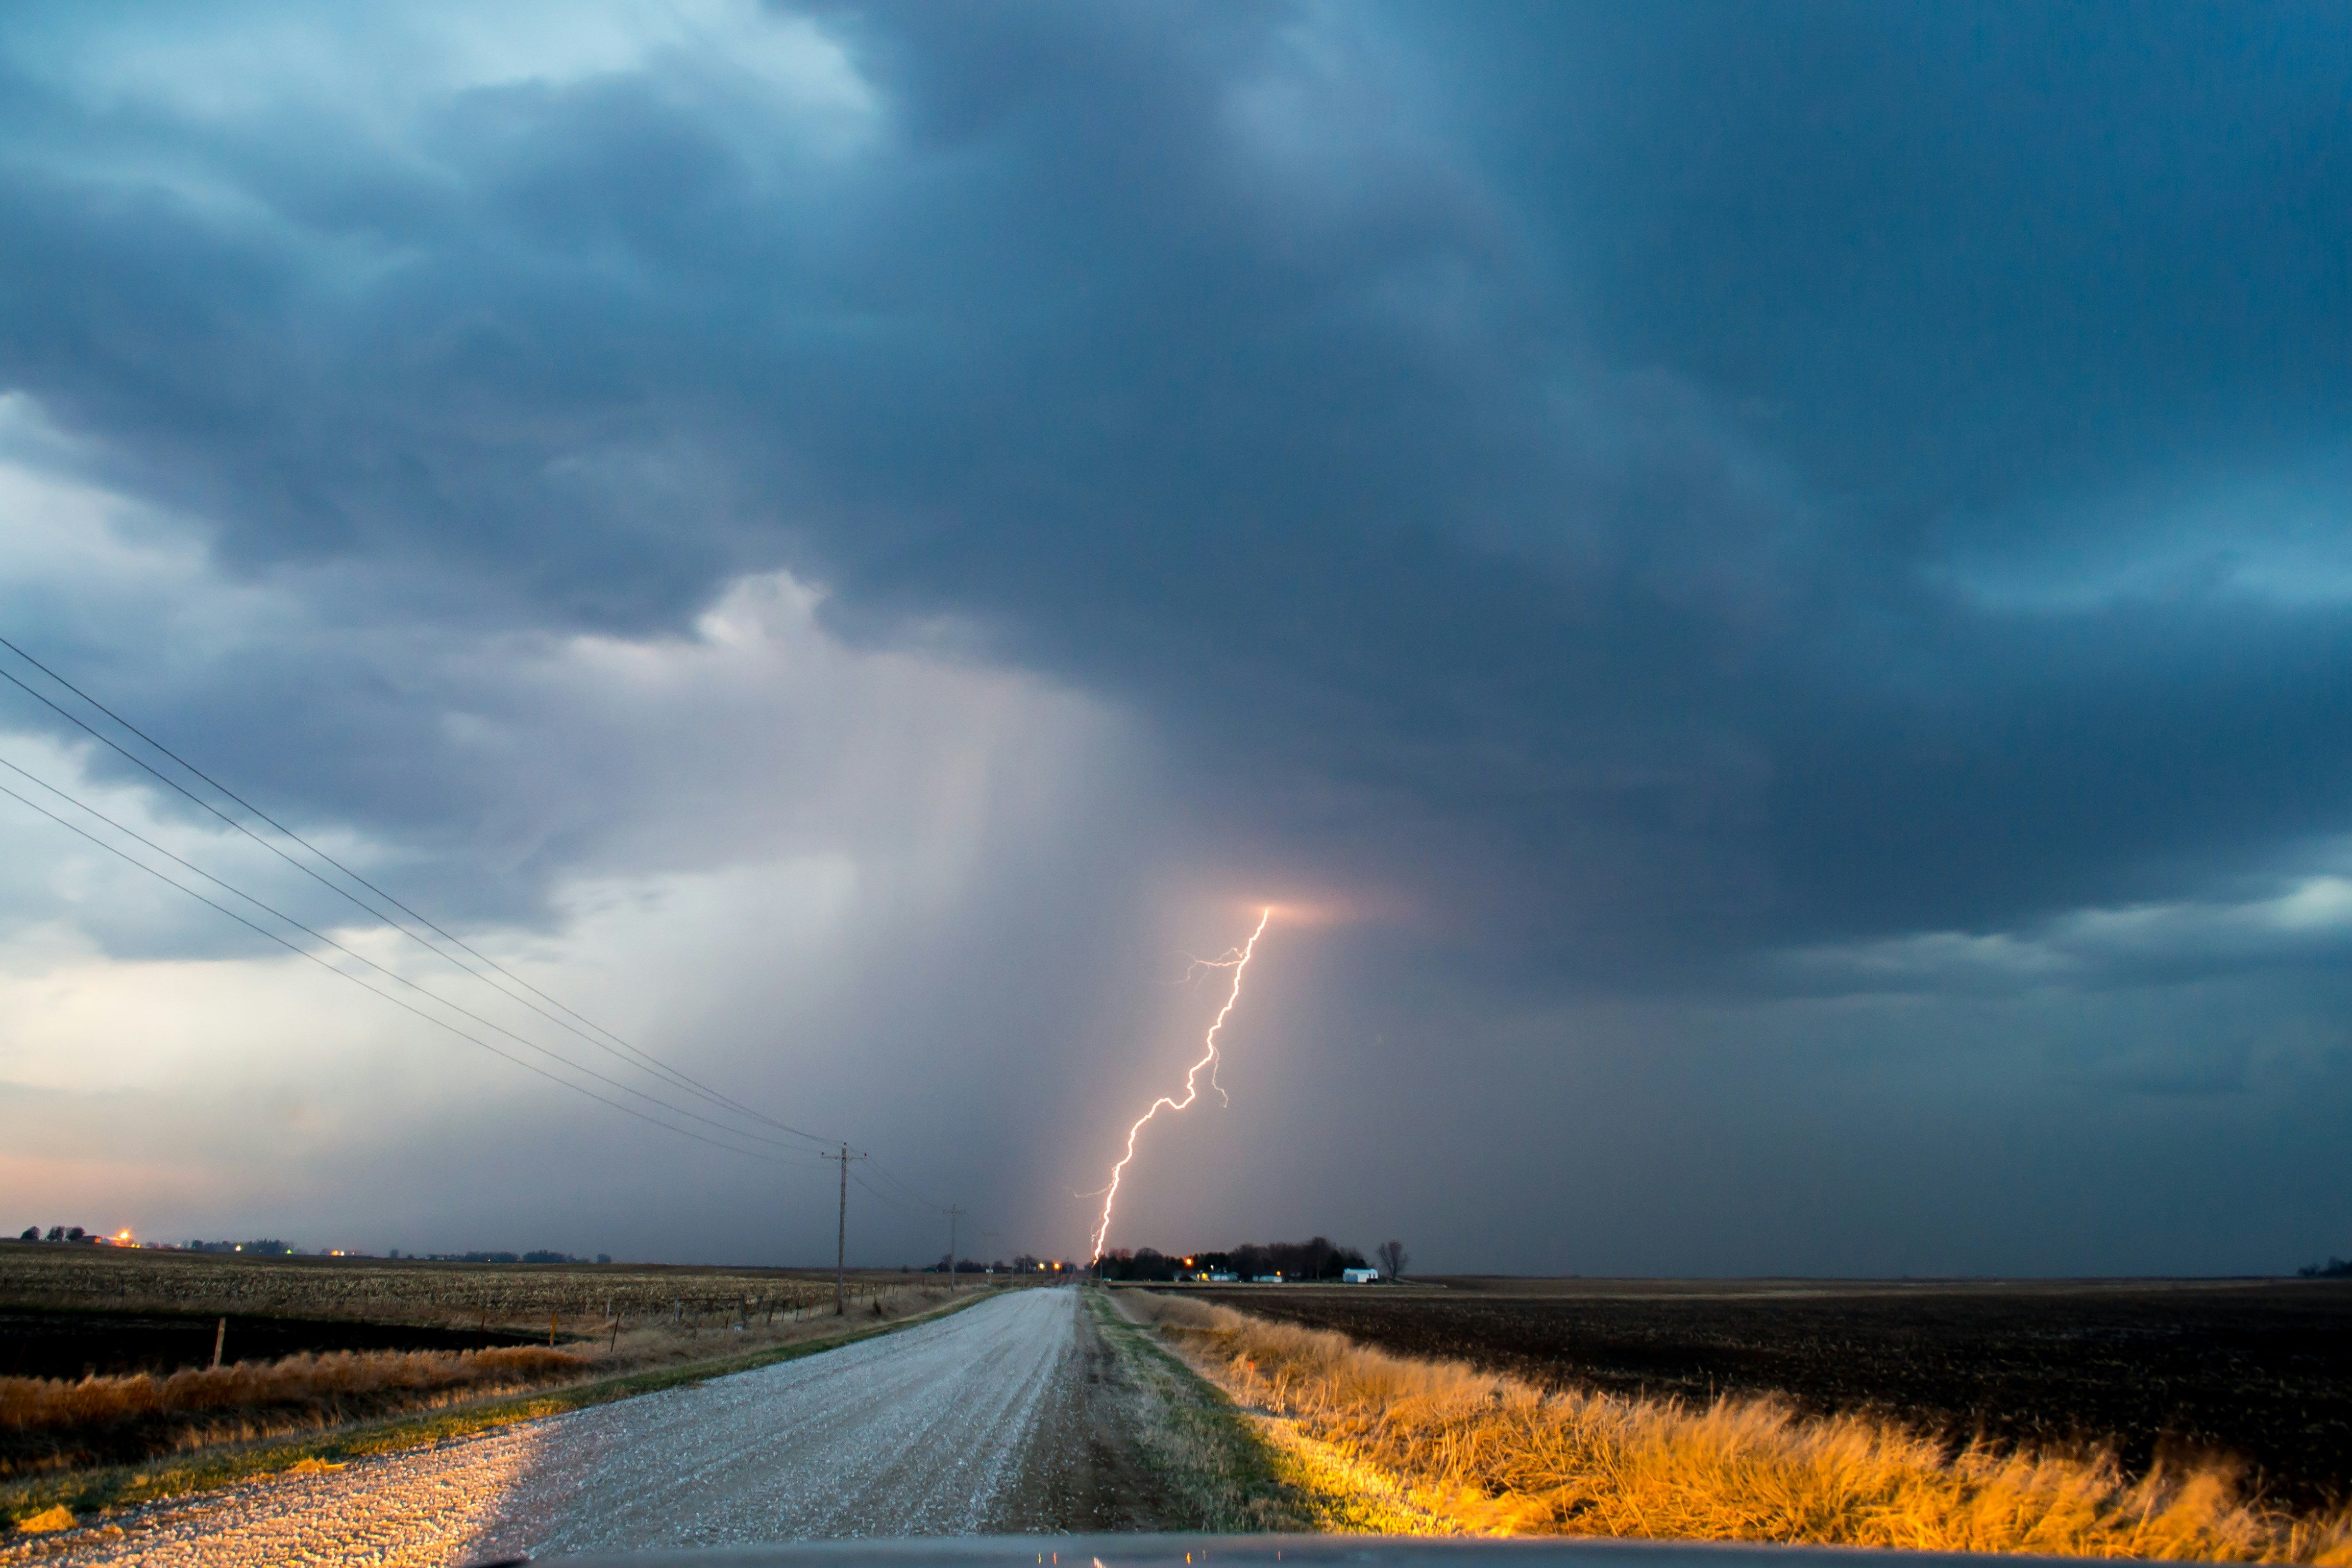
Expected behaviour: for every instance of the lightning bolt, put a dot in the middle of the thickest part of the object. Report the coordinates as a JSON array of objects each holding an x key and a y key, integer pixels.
[
  {"x": 1237, "y": 963},
  {"x": 1233, "y": 959}
]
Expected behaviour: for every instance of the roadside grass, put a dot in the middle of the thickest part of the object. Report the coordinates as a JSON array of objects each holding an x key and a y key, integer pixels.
[
  {"x": 1240, "y": 1471},
  {"x": 1192, "y": 1438},
  {"x": 55, "y": 1500},
  {"x": 1488, "y": 1454},
  {"x": 120, "y": 1410}
]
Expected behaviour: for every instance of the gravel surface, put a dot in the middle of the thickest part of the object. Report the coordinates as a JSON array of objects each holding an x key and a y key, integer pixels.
[{"x": 1002, "y": 1417}]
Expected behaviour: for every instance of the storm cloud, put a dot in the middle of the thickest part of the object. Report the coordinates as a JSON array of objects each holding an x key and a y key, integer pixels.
[{"x": 1779, "y": 578}]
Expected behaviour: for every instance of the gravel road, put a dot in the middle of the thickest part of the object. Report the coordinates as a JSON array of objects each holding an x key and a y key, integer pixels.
[{"x": 1007, "y": 1416}]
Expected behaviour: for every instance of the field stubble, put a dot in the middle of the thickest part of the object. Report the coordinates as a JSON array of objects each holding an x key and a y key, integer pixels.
[
  {"x": 1495, "y": 1453},
  {"x": 659, "y": 1317},
  {"x": 382, "y": 1291},
  {"x": 2252, "y": 1374}
]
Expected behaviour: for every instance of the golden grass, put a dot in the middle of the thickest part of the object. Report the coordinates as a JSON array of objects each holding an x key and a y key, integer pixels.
[
  {"x": 31, "y": 1403},
  {"x": 65, "y": 1496},
  {"x": 1495, "y": 1454},
  {"x": 56, "y": 1426}
]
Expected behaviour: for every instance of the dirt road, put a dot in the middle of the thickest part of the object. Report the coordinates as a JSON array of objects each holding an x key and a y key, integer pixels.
[{"x": 1007, "y": 1416}]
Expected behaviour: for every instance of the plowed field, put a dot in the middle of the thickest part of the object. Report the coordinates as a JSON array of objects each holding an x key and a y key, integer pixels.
[{"x": 2258, "y": 1370}]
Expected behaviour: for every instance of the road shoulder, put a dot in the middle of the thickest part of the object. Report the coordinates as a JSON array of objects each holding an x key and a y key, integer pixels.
[
  {"x": 1248, "y": 1469},
  {"x": 84, "y": 1498},
  {"x": 1221, "y": 1473}
]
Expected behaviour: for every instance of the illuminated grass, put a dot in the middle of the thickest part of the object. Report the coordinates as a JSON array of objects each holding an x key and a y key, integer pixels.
[
  {"x": 1190, "y": 1435},
  {"x": 1492, "y": 1454}
]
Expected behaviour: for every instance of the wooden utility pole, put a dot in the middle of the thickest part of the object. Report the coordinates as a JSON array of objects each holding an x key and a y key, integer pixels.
[
  {"x": 952, "y": 1213},
  {"x": 841, "y": 1237}
]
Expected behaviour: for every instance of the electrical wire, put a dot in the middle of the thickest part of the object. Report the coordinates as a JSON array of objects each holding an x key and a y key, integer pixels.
[
  {"x": 394, "y": 975},
  {"x": 646, "y": 1060},
  {"x": 346, "y": 974},
  {"x": 884, "y": 1197},
  {"x": 905, "y": 1187},
  {"x": 911, "y": 1199}
]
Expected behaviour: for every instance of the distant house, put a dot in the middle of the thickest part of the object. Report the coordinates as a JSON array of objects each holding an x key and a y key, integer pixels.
[
  {"x": 1360, "y": 1275},
  {"x": 1265, "y": 1279},
  {"x": 1217, "y": 1276}
]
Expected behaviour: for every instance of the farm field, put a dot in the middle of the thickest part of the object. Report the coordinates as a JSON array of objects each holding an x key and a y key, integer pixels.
[
  {"x": 444, "y": 1295},
  {"x": 1019, "y": 1415},
  {"x": 2258, "y": 1370},
  {"x": 105, "y": 1353},
  {"x": 70, "y": 1344}
]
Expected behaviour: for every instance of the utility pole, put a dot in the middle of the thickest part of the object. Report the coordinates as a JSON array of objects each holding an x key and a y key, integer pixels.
[
  {"x": 841, "y": 1237},
  {"x": 952, "y": 1213}
]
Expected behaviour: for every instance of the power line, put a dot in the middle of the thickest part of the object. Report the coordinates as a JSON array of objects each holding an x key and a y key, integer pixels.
[
  {"x": 394, "y": 975},
  {"x": 895, "y": 1202},
  {"x": 907, "y": 1188},
  {"x": 646, "y": 1061},
  {"x": 346, "y": 974},
  {"x": 634, "y": 1055}
]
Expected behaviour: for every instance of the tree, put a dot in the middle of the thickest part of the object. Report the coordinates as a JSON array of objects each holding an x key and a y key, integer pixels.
[
  {"x": 1392, "y": 1259},
  {"x": 32, "y": 1233}
]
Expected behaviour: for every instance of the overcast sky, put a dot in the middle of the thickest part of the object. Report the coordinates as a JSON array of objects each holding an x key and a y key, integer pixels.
[{"x": 1765, "y": 589}]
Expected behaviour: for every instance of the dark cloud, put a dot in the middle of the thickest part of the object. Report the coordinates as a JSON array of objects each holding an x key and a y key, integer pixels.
[
  {"x": 1645, "y": 490},
  {"x": 1551, "y": 463}
]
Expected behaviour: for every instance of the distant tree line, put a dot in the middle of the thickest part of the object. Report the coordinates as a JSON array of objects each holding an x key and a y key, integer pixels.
[
  {"x": 271, "y": 1247},
  {"x": 2334, "y": 1268},
  {"x": 56, "y": 1233},
  {"x": 1317, "y": 1258},
  {"x": 74, "y": 1233}
]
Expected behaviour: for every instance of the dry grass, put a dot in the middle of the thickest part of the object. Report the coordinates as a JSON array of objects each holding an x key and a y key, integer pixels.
[
  {"x": 1494, "y": 1453},
  {"x": 1217, "y": 1476},
  {"x": 33, "y": 1403},
  {"x": 54, "y": 1425},
  {"x": 50, "y": 1424},
  {"x": 71, "y": 1496}
]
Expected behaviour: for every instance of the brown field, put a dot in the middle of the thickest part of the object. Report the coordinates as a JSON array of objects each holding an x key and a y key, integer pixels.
[
  {"x": 1483, "y": 1452},
  {"x": 69, "y": 1343},
  {"x": 373, "y": 1290},
  {"x": 2257, "y": 1372}
]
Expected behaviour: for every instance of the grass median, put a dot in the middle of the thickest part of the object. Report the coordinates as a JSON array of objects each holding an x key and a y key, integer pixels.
[{"x": 1236, "y": 1471}]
